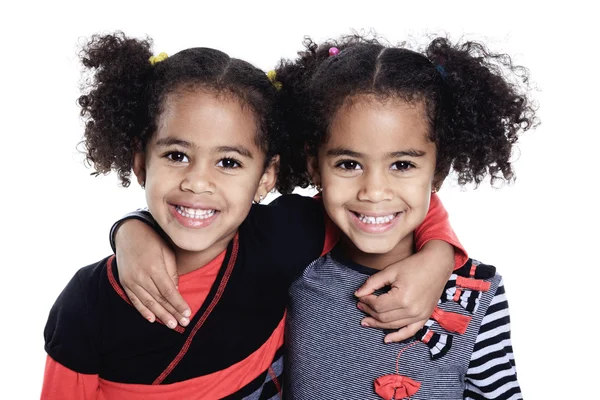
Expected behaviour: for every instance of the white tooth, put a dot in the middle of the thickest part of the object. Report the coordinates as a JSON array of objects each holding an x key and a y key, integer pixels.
[
  {"x": 193, "y": 213},
  {"x": 376, "y": 220}
]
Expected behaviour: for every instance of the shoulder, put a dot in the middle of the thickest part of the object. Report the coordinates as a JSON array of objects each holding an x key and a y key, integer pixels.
[
  {"x": 288, "y": 234},
  {"x": 475, "y": 271},
  {"x": 288, "y": 216},
  {"x": 291, "y": 205},
  {"x": 474, "y": 287},
  {"x": 82, "y": 287},
  {"x": 72, "y": 326}
]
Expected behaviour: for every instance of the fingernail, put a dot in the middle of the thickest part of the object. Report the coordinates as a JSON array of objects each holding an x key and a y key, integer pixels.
[
  {"x": 387, "y": 341},
  {"x": 150, "y": 319},
  {"x": 365, "y": 325},
  {"x": 359, "y": 306},
  {"x": 172, "y": 324},
  {"x": 187, "y": 313},
  {"x": 184, "y": 321}
]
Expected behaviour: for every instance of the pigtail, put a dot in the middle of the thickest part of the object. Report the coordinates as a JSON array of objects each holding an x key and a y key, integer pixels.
[
  {"x": 483, "y": 109},
  {"x": 295, "y": 105},
  {"x": 114, "y": 105},
  {"x": 299, "y": 107}
]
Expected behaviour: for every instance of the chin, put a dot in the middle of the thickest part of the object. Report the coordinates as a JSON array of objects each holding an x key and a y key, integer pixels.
[
  {"x": 190, "y": 244},
  {"x": 374, "y": 246}
]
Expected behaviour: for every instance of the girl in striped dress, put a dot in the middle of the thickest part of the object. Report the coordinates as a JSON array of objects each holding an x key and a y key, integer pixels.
[{"x": 382, "y": 126}]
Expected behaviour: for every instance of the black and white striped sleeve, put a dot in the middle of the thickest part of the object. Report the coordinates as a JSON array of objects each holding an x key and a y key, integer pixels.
[{"x": 492, "y": 373}]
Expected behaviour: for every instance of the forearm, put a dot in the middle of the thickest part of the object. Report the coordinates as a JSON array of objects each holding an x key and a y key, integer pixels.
[
  {"x": 440, "y": 256},
  {"x": 436, "y": 227},
  {"x": 139, "y": 215}
]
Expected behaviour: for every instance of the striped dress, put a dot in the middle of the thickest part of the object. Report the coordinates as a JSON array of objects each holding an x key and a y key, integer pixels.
[{"x": 330, "y": 356}]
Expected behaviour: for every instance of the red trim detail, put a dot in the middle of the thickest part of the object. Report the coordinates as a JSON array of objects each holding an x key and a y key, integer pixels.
[
  {"x": 473, "y": 269},
  {"x": 275, "y": 381},
  {"x": 402, "y": 351},
  {"x": 120, "y": 292},
  {"x": 427, "y": 336},
  {"x": 473, "y": 284},
  {"x": 457, "y": 294},
  {"x": 207, "y": 312},
  {"x": 113, "y": 281},
  {"x": 450, "y": 321}
]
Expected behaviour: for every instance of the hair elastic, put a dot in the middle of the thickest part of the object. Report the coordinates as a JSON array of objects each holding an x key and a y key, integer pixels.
[{"x": 156, "y": 59}]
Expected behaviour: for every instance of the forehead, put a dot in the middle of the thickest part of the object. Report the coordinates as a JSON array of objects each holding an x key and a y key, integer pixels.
[
  {"x": 380, "y": 123},
  {"x": 206, "y": 119}
]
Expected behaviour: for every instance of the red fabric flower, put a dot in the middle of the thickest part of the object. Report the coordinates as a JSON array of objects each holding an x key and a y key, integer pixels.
[{"x": 395, "y": 387}]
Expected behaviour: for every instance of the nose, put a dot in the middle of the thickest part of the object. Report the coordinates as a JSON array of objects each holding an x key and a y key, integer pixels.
[
  {"x": 375, "y": 187},
  {"x": 198, "y": 179}
]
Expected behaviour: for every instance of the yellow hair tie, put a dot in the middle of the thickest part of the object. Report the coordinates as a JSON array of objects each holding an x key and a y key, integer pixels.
[
  {"x": 156, "y": 59},
  {"x": 272, "y": 75}
]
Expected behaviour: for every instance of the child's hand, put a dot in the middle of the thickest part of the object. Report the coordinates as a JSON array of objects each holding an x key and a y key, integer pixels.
[
  {"x": 148, "y": 273},
  {"x": 416, "y": 286}
]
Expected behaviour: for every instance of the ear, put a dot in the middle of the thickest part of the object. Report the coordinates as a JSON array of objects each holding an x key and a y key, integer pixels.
[
  {"x": 267, "y": 180},
  {"x": 312, "y": 166},
  {"x": 139, "y": 167}
]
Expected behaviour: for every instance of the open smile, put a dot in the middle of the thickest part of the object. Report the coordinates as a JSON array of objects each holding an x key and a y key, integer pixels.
[
  {"x": 375, "y": 223},
  {"x": 194, "y": 212},
  {"x": 195, "y": 218}
]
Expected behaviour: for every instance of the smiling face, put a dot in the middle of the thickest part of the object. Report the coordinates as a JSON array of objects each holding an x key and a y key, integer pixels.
[
  {"x": 377, "y": 168},
  {"x": 201, "y": 171}
]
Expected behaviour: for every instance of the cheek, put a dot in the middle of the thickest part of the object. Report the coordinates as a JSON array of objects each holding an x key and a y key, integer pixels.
[
  {"x": 417, "y": 194},
  {"x": 337, "y": 191},
  {"x": 241, "y": 194},
  {"x": 159, "y": 177},
  {"x": 240, "y": 190}
]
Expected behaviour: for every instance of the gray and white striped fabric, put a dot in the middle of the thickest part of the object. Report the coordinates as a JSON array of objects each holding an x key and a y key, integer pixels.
[{"x": 330, "y": 356}]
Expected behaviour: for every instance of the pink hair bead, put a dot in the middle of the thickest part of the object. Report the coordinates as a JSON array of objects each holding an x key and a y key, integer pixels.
[{"x": 333, "y": 51}]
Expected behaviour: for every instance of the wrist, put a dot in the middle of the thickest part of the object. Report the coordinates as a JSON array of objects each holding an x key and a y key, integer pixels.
[
  {"x": 441, "y": 254},
  {"x": 129, "y": 228}
]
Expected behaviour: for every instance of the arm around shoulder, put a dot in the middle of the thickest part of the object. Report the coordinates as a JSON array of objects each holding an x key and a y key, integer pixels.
[{"x": 436, "y": 226}]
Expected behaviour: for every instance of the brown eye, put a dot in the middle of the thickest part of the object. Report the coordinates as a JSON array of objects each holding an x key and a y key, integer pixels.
[
  {"x": 177, "y": 156},
  {"x": 229, "y": 163},
  {"x": 402, "y": 165},
  {"x": 348, "y": 164}
]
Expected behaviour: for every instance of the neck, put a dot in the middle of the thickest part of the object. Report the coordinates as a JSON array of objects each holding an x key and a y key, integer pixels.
[
  {"x": 188, "y": 261},
  {"x": 404, "y": 249}
]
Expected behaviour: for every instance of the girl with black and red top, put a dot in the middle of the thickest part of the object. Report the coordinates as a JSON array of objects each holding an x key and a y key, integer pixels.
[{"x": 201, "y": 132}]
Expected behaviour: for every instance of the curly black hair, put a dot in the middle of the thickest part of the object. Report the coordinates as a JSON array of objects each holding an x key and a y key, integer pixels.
[
  {"x": 125, "y": 95},
  {"x": 476, "y": 101}
]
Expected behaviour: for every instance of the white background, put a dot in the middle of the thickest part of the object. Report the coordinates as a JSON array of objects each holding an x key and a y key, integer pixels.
[{"x": 541, "y": 233}]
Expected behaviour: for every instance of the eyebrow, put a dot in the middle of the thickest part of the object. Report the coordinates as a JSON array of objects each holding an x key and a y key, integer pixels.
[
  {"x": 339, "y": 151},
  {"x": 238, "y": 149},
  {"x": 170, "y": 141},
  {"x": 405, "y": 153}
]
